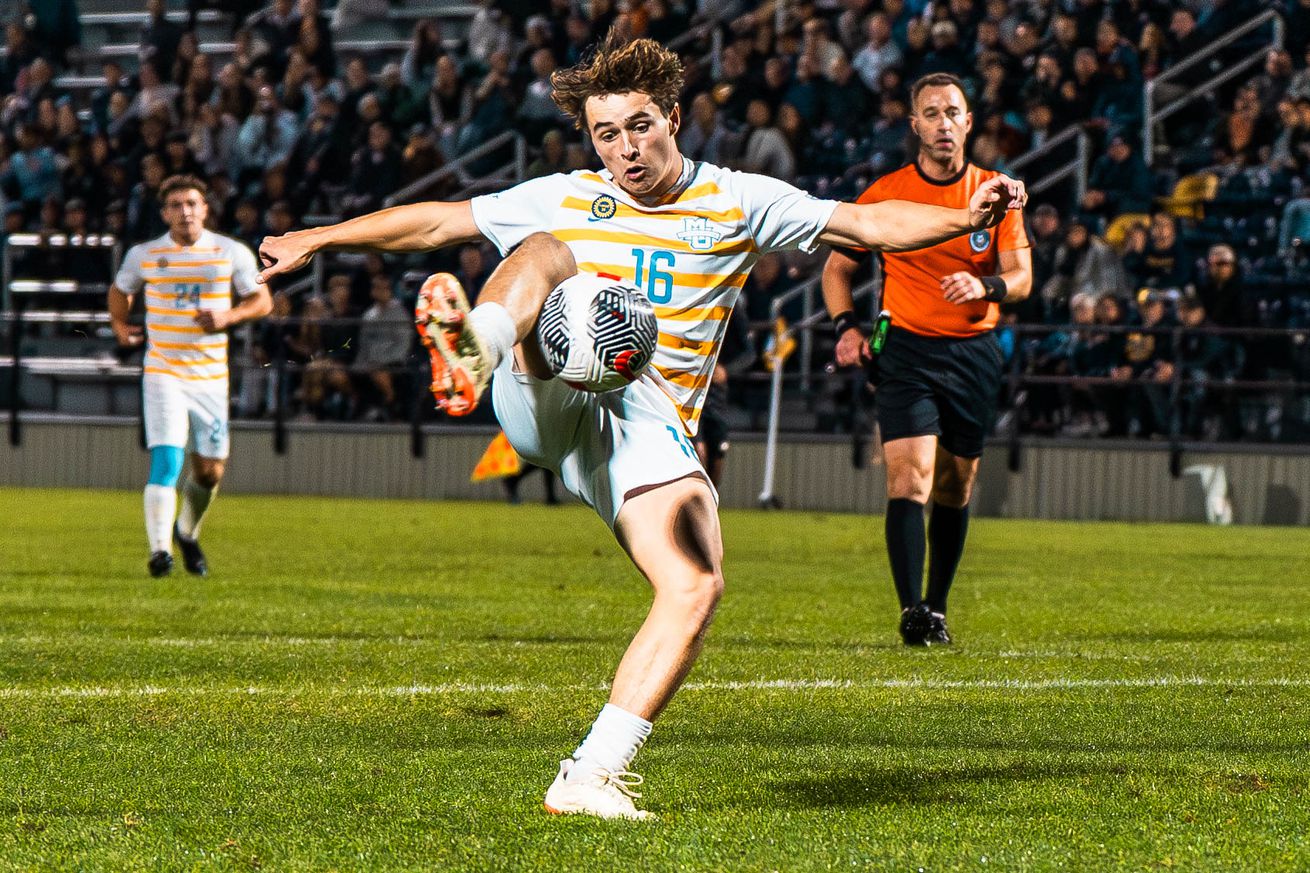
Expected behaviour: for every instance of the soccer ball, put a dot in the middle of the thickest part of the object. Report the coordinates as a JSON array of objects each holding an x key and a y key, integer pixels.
[{"x": 597, "y": 334}]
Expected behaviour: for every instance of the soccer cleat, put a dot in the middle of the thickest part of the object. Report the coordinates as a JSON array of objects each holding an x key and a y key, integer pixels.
[
  {"x": 937, "y": 634},
  {"x": 916, "y": 625},
  {"x": 602, "y": 793},
  {"x": 161, "y": 564},
  {"x": 460, "y": 371},
  {"x": 192, "y": 557}
]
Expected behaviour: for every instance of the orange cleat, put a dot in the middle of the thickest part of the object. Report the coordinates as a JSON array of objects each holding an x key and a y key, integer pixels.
[{"x": 460, "y": 371}]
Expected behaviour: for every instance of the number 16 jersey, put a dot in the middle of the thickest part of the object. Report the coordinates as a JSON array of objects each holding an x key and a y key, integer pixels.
[{"x": 689, "y": 251}]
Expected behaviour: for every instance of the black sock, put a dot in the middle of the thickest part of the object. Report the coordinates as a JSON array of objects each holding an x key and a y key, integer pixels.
[
  {"x": 905, "y": 548},
  {"x": 947, "y": 530}
]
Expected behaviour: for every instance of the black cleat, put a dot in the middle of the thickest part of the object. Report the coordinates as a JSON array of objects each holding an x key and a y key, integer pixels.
[
  {"x": 161, "y": 564},
  {"x": 192, "y": 557},
  {"x": 937, "y": 633},
  {"x": 916, "y": 624}
]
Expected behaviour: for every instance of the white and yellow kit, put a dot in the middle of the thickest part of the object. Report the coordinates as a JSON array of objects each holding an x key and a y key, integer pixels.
[
  {"x": 185, "y": 382},
  {"x": 689, "y": 253}
]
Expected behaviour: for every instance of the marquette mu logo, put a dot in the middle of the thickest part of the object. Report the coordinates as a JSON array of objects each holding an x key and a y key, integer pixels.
[{"x": 697, "y": 233}]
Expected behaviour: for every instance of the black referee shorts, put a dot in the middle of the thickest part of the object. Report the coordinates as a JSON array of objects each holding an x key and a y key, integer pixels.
[{"x": 942, "y": 386}]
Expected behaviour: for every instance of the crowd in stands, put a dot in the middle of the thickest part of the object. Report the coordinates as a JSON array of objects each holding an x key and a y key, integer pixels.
[{"x": 1206, "y": 231}]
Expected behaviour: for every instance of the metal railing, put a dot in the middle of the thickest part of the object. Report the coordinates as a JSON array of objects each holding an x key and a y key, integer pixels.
[
  {"x": 515, "y": 170},
  {"x": 805, "y": 327},
  {"x": 1154, "y": 115},
  {"x": 1182, "y": 386},
  {"x": 1076, "y": 168},
  {"x": 10, "y": 285}
]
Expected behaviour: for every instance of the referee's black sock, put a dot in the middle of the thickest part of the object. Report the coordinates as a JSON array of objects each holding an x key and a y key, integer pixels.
[
  {"x": 947, "y": 530},
  {"x": 905, "y": 548}
]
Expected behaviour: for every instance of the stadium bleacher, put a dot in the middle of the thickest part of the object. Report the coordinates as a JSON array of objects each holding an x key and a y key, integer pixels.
[{"x": 1214, "y": 108}]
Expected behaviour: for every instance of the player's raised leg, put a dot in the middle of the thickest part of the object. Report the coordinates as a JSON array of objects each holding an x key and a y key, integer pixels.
[
  {"x": 466, "y": 346},
  {"x": 671, "y": 532}
]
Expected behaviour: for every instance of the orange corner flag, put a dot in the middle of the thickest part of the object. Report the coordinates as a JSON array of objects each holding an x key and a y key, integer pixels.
[{"x": 498, "y": 461}]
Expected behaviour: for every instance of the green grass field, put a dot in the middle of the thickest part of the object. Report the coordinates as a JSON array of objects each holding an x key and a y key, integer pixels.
[{"x": 383, "y": 685}]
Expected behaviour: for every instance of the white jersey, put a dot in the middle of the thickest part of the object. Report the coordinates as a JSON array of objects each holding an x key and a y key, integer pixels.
[
  {"x": 179, "y": 281},
  {"x": 689, "y": 253}
]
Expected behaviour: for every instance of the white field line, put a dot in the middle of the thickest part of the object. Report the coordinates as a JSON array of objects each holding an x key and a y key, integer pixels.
[{"x": 450, "y": 688}]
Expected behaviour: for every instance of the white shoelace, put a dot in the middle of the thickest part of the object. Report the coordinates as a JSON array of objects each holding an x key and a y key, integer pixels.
[{"x": 623, "y": 780}]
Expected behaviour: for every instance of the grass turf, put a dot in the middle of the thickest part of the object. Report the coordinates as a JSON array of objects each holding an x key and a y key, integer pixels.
[{"x": 387, "y": 685}]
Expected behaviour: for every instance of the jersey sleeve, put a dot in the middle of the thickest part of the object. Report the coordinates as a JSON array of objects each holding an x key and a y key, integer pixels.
[
  {"x": 510, "y": 216},
  {"x": 244, "y": 271},
  {"x": 1011, "y": 235},
  {"x": 129, "y": 278},
  {"x": 780, "y": 216}
]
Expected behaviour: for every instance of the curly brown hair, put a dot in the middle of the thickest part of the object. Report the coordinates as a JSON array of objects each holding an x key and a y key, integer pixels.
[
  {"x": 619, "y": 67},
  {"x": 182, "y": 182}
]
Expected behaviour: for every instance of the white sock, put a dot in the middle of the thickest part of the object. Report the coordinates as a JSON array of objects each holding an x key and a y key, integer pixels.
[
  {"x": 494, "y": 326},
  {"x": 161, "y": 504},
  {"x": 195, "y": 500},
  {"x": 615, "y": 737}
]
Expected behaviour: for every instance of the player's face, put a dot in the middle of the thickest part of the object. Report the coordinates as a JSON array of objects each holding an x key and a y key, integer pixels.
[
  {"x": 635, "y": 140},
  {"x": 185, "y": 212},
  {"x": 942, "y": 122}
]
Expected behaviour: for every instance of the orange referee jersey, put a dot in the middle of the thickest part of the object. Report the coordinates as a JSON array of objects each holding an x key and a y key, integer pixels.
[{"x": 912, "y": 290}]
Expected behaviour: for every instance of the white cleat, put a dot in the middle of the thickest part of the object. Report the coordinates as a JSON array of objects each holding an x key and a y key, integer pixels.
[{"x": 602, "y": 793}]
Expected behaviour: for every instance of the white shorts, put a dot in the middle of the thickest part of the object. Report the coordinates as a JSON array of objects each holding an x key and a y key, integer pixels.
[
  {"x": 179, "y": 414},
  {"x": 602, "y": 445}
]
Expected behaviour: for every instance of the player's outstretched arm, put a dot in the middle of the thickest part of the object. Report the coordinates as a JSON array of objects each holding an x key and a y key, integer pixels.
[
  {"x": 416, "y": 227},
  {"x": 902, "y": 225}
]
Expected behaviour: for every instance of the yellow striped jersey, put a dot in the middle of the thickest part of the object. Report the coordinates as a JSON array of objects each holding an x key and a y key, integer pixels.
[
  {"x": 689, "y": 252},
  {"x": 179, "y": 281}
]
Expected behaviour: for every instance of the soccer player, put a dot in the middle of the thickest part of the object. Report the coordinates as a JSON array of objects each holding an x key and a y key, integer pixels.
[
  {"x": 939, "y": 370},
  {"x": 685, "y": 234},
  {"x": 189, "y": 275}
]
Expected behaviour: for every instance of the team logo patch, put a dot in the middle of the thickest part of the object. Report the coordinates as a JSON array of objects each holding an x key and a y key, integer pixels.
[
  {"x": 163, "y": 263},
  {"x": 697, "y": 233},
  {"x": 604, "y": 207},
  {"x": 979, "y": 240}
]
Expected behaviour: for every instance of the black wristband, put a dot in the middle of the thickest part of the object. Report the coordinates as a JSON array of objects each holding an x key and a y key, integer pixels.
[
  {"x": 995, "y": 288},
  {"x": 844, "y": 321}
]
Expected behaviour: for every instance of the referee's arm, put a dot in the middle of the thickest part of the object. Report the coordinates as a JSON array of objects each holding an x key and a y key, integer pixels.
[
  {"x": 838, "y": 274},
  {"x": 1015, "y": 281}
]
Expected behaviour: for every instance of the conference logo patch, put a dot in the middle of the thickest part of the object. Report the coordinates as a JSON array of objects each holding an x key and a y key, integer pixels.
[{"x": 604, "y": 207}]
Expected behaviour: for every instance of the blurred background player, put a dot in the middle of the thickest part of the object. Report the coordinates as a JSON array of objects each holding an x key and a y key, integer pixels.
[
  {"x": 686, "y": 234},
  {"x": 189, "y": 275},
  {"x": 939, "y": 372}
]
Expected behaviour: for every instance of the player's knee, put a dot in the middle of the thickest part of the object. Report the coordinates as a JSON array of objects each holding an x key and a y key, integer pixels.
[
  {"x": 552, "y": 257},
  {"x": 909, "y": 483},
  {"x": 695, "y": 597},
  {"x": 166, "y": 465},
  {"x": 207, "y": 472}
]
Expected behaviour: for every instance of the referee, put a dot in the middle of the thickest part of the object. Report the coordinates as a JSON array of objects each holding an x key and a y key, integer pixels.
[{"x": 938, "y": 371}]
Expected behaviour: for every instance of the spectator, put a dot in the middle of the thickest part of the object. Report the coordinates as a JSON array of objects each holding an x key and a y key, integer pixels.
[
  {"x": 213, "y": 139},
  {"x": 266, "y": 137},
  {"x": 385, "y": 338},
  {"x": 159, "y": 37},
  {"x": 20, "y": 51},
  {"x": 1084, "y": 265},
  {"x": 233, "y": 98},
  {"x": 248, "y": 229},
  {"x": 1164, "y": 262},
  {"x": 817, "y": 44},
  {"x": 273, "y": 32},
  {"x": 766, "y": 150},
  {"x": 143, "y": 219},
  {"x": 889, "y": 145},
  {"x": 493, "y": 105},
  {"x": 488, "y": 34},
  {"x": 473, "y": 271},
  {"x": 375, "y": 171},
  {"x": 420, "y": 61},
  {"x": 178, "y": 159},
  {"x": 1205, "y": 359},
  {"x": 1148, "y": 361},
  {"x": 450, "y": 105},
  {"x": 313, "y": 38},
  {"x": 154, "y": 96},
  {"x": 33, "y": 174},
  {"x": 805, "y": 93},
  {"x": 1244, "y": 131},
  {"x": 420, "y": 155},
  {"x": 946, "y": 55},
  {"x": 537, "y": 112},
  {"x": 1119, "y": 181},
  {"x": 847, "y": 104},
  {"x": 1081, "y": 91},
  {"x": 553, "y": 157},
  {"x": 1044, "y": 238},
  {"x": 703, "y": 136},
  {"x": 1220, "y": 289}
]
